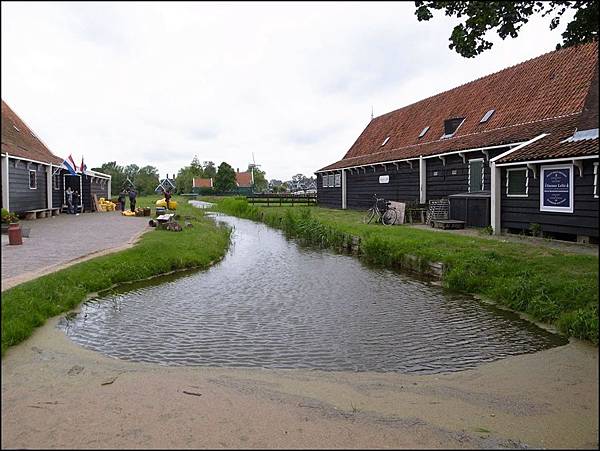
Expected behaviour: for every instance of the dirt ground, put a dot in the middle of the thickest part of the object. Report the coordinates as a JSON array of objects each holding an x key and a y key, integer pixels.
[{"x": 56, "y": 394}]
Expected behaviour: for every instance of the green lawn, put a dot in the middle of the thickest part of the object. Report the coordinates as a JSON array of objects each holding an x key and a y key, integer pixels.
[
  {"x": 552, "y": 286},
  {"x": 28, "y": 305}
]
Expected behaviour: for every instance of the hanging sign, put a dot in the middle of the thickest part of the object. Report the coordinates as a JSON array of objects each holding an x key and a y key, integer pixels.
[
  {"x": 556, "y": 190},
  {"x": 384, "y": 179}
]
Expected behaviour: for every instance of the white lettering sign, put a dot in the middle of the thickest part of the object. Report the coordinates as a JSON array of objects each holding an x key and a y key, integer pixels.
[{"x": 384, "y": 179}]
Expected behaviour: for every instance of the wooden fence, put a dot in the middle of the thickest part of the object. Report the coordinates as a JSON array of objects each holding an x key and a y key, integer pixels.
[{"x": 278, "y": 200}]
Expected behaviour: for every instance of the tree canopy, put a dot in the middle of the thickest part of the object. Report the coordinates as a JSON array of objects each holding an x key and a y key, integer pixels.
[
  {"x": 225, "y": 178},
  {"x": 507, "y": 18},
  {"x": 260, "y": 180},
  {"x": 145, "y": 179}
]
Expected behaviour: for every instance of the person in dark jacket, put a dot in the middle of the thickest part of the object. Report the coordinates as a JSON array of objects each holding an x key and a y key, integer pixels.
[
  {"x": 132, "y": 196},
  {"x": 122, "y": 200},
  {"x": 69, "y": 196},
  {"x": 76, "y": 201}
]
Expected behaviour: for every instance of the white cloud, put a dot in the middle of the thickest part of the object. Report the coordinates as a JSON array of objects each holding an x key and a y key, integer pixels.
[{"x": 293, "y": 83}]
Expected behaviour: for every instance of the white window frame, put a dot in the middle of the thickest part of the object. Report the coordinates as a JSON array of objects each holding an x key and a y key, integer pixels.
[
  {"x": 34, "y": 178},
  {"x": 331, "y": 181},
  {"x": 596, "y": 180},
  {"x": 482, "y": 172},
  {"x": 526, "y": 182},
  {"x": 325, "y": 180},
  {"x": 337, "y": 180},
  {"x": 569, "y": 209}
]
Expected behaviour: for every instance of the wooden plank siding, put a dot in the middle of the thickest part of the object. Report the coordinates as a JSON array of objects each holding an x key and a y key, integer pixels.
[
  {"x": 521, "y": 212},
  {"x": 446, "y": 183},
  {"x": 403, "y": 185},
  {"x": 58, "y": 194},
  {"x": 328, "y": 197},
  {"x": 22, "y": 198}
]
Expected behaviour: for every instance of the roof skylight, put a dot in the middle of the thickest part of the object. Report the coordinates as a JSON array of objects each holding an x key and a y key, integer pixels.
[
  {"x": 423, "y": 132},
  {"x": 451, "y": 125},
  {"x": 486, "y": 116},
  {"x": 16, "y": 128},
  {"x": 385, "y": 141}
]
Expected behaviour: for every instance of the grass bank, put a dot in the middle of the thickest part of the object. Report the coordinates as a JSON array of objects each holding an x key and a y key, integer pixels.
[
  {"x": 552, "y": 286},
  {"x": 28, "y": 305}
]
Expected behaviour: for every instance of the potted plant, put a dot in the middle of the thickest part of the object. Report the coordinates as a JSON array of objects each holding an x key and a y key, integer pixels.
[{"x": 8, "y": 218}]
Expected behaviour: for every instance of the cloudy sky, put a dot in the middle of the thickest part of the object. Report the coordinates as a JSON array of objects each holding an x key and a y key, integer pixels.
[{"x": 293, "y": 83}]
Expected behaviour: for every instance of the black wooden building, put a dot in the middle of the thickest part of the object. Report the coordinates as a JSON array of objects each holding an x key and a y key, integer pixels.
[
  {"x": 462, "y": 145},
  {"x": 33, "y": 178}
]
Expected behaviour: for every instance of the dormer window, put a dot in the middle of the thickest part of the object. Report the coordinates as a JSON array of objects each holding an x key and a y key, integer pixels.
[
  {"x": 451, "y": 125},
  {"x": 423, "y": 132},
  {"x": 486, "y": 116},
  {"x": 385, "y": 141}
]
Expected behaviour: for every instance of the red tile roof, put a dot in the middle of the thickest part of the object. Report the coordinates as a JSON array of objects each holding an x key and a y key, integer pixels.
[
  {"x": 243, "y": 179},
  {"x": 22, "y": 142},
  {"x": 199, "y": 182},
  {"x": 551, "y": 146},
  {"x": 537, "y": 93}
]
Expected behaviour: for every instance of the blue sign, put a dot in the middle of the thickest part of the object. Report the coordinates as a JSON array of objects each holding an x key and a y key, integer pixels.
[{"x": 557, "y": 188}]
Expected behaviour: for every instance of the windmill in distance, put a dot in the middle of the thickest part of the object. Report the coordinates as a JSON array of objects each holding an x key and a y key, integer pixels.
[{"x": 252, "y": 166}]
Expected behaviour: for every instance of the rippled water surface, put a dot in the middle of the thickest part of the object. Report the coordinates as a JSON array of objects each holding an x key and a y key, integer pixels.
[{"x": 274, "y": 304}]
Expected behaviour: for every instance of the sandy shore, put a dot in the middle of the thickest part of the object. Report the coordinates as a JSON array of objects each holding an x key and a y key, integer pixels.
[{"x": 56, "y": 394}]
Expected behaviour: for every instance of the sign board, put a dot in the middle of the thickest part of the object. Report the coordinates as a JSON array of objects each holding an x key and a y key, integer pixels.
[
  {"x": 556, "y": 188},
  {"x": 384, "y": 179}
]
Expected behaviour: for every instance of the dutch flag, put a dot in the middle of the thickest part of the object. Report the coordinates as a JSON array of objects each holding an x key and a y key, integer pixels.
[{"x": 69, "y": 166}]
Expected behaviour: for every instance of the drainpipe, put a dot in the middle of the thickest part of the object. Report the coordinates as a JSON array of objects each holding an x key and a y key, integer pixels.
[
  {"x": 496, "y": 195},
  {"x": 49, "y": 186},
  {"x": 109, "y": 187},
  {"x": 344, "y": 206},
  {"x": 5, "y": 187},
  {"x": 422, "y": 180}
]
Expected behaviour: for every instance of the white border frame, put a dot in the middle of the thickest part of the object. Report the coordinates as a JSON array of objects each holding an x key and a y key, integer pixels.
[
  {"x": 482, "y": 173},
  {"x": 337, "y": 180},
  {"x": 526, "y": 182},
  {"x": 29, "y": 178},
  {"x": 596, "y": 180},
  {"x": 571, "y": 208}
]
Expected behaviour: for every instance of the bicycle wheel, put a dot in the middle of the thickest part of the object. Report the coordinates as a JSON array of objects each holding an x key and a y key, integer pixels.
[
  {"x": 369, "y": 216},
  {"x": 389, "y": 217}
]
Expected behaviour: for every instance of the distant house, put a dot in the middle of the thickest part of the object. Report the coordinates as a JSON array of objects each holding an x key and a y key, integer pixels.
[
  {"x": 166, "y": 184},
  {"x": 244, "y": 182},
  {"x": 34, "y": 179},
  {"x": 516, "y": 149},
  {"x": 200, "y": 182}
]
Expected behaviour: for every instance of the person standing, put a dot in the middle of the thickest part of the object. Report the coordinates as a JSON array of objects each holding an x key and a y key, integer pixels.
[
  {"x": 167, "y": 197},
  {"x": 69, "y": 195},
  {"x": 132, "y": 196},
  {"x": 122, "y": 200},
  {"x": 76, "y": 202}
]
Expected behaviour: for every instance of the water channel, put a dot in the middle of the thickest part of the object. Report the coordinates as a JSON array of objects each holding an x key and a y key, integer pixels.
[{"x": 272, "y": 303}]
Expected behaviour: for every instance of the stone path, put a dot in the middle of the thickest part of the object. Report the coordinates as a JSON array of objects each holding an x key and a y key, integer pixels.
[{"x": 63, "y": 240}]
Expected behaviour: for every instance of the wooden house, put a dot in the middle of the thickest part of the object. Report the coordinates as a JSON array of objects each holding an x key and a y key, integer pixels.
[
  {"x": 465, "y": 143},
  {"x": 34, "y": 179}
]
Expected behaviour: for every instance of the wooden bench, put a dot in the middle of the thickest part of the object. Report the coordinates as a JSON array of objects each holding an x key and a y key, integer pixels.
[{"x": 42, "y": 213}]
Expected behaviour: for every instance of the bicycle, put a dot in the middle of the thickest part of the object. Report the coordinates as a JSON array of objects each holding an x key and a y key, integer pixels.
[{"x": 382, "y": 210}]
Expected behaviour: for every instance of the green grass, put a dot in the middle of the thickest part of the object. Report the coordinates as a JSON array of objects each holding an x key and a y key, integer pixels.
[
  {"x": 28, "y": 305},
  {"x": 552, "y": 286}
]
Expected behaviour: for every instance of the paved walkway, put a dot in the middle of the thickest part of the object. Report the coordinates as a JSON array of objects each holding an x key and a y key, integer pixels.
[{"x": 64, "y": 240}]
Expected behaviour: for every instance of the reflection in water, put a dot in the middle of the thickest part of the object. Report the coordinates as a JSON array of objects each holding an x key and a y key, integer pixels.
[{"x": 273, "y": 304}]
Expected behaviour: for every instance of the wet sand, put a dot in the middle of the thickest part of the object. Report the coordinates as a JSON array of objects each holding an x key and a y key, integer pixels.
[{"x": 56, "y": 394}]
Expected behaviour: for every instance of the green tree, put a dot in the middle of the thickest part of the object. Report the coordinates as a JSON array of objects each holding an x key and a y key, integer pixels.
[
  {"x": 507, "y": 18},
  {"x": 260, "y": 180},
  {"x": 196, "y": 167},
  {"x": 209, "y": 169},
  {"x": 116, "y": 172},
  {"x": 146, "y": 180},
  {"x": 225, "y": 178}
]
